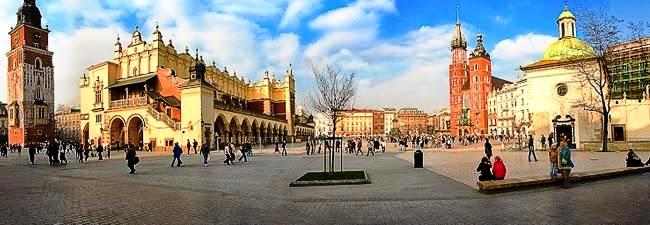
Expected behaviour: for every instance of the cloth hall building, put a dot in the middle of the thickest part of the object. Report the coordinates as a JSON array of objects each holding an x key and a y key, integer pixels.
[{"x": 151, "y": 95}]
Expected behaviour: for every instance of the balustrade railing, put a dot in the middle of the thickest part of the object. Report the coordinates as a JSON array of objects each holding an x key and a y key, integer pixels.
[
  {"x": 127, "y": 103},
  {"x": 165, "y": 118}
]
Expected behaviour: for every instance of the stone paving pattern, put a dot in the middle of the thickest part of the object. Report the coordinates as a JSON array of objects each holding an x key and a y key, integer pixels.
[{"x": 257, "y": 192}]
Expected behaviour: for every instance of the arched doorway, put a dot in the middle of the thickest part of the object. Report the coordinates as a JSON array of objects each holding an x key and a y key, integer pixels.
[
  {"x": 220, "y": 131},
  {"x": 135, "y": 130},
  {"x": 117, "y": 132},
  {"x": 234, "y": 130},
  {"x": 85, "y": 134}
]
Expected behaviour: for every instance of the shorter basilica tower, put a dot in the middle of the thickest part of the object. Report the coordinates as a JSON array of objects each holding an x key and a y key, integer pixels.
[{"x": 30, "y": 76}]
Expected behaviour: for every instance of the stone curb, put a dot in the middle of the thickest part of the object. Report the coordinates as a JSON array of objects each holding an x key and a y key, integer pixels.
[
  {"x": 331, "y": 182},
  {"x": 498, "y": 186}
]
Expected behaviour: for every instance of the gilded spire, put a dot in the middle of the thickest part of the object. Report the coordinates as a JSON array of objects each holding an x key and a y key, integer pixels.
[{"x": 458, "y": 40}]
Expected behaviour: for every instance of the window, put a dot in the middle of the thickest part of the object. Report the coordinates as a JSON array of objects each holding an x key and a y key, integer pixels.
[
  {"x": 475, "y": 67},
  {"x": 562, "y": 89},
  {"x": 619, "y": 132},
  {"x": 98, "y": 118},
  {"x": 562, "y": 30}
]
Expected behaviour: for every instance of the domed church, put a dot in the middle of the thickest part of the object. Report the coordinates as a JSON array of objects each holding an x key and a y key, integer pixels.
[{"x": 554, "y": 81}]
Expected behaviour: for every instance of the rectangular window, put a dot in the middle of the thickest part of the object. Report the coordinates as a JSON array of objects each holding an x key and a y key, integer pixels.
[
  {"x": 98, "y": 118},
  {"x": 618, "y": 132}
]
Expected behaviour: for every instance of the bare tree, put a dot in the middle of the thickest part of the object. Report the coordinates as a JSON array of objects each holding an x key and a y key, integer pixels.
[
  {"x": 333, "y": 93},
  {"x": 601, "y": 31}
]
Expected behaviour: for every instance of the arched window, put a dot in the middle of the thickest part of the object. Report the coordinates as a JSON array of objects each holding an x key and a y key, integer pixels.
[
  {"x": 573, "y": 30},
  {"x": 562, "y": 30},
  {"x": 135, "y": 71},
  {"x": 38, "y": 63}
]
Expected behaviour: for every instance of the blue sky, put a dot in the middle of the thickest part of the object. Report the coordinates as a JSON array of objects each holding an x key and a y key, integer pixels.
[{"x": 399, "y": 49}]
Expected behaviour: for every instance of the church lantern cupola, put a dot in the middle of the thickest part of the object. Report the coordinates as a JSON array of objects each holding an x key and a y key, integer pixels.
[
  {"x": 197, "y": 69},
  {"x": 480, "y": 51},
  {"x": 566, "y": 23}
]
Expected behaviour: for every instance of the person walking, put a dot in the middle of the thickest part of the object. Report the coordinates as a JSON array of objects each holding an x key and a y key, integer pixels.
[
  {"x": 359, "y": 143},
  {"x": 62, "y": 157},
  {"x": 86, "y": 152},
  {"x": 177, "y": 151},
  {"x": 249, "y": 148},
  {"x": 488, "y": 149},
  {"x": 499, "y": 168},
  {"x": 20, "y": 150},
  {"x": 484, "y": 168},
  {"x": 565, "y": 163},
  {"x": 549, "y": 140},
  {"x": 553, "y": 161},
  {"x": 31, "y": 152},
  {"x": 100, "y": 150},
  {"x": 307, "y": 147},
  {"x": 195, "y": 145},
  {"x": 3, "y": 150},
  {"x": 242, "y": 149},
  {"x": 276, "y": 148},
  {"x": 543, "y": 141},
  {"x": 284, "y": 148},
  {"x": 205, "y": 151},
  {"x": 131, "y": 159},
  {"x": 189, "y": 146},
  {"x": 79, "y": 150},
  {"x": 371, "y": 148},
  {"x": 531, "y": 148},
  {"x": 108, "y": 151},
  {"x": 226, "y": 153}
]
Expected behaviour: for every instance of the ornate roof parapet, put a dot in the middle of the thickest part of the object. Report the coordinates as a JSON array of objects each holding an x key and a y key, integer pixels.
[{"x": 136, "y": 38}]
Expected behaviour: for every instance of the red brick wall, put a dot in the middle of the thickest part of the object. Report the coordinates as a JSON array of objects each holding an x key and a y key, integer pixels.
[
  {"x": 167, "y": 85},
  {"x": 257, "y": 106}
]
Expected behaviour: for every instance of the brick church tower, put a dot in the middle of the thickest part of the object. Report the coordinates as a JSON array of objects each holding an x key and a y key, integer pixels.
[
  {"x": 470, "y": 82},
  {"x": 480, "y": 76},
  {"x": 30, "y": 76},
  {"x": 457, "y": 76}
]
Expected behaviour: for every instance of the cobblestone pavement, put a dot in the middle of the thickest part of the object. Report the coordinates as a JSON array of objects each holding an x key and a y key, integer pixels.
[
  {"x": 257, "y": 192},
  {"x": 461, "y": 166}
]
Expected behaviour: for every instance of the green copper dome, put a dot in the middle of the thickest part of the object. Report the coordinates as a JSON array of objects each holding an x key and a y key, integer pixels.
[
  {"x": 568, "y": 48},
  {"x": 566, "y": 14}
]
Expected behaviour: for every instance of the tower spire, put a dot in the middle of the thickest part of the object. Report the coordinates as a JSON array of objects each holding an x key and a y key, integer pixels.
[{"x": 457, "y": 13}]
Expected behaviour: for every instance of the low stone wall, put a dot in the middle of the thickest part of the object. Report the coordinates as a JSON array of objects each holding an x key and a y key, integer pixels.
[{"x": 616, "y": 146}]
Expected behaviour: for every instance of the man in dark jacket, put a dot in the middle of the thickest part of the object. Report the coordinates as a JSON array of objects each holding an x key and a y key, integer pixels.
[
  {"x": 195, "y": 145},
  {"x": 177, "y": 154},
  {"x": 32, "y": 153},
  {"x": 100, "y": 150},
  {"x": 205, "y": 151},
  {"x": 131, "y": 159},
  {"x": 488, "y": 149}
]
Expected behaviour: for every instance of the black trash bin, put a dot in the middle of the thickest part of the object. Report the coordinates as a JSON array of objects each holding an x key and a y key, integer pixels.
[{"x": 417, "y": 159}]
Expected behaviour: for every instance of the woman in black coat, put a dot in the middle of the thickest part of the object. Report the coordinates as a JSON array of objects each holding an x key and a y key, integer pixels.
[
  {"x": 488, "y": 149},
  {"x": 484, "y": 168}
]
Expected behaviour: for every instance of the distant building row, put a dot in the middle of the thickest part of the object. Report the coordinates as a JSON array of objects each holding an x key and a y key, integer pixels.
[{"x": 385, "y": 121}]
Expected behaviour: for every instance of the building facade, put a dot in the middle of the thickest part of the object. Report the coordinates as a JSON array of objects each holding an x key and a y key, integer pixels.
[
  {"x": 509, "y": 109},
  {"x": 323, "y": 125},
  {"x": 470, "y": 81},
  {"x": 411, "y": 121},
  {"x": 30, "y": 74},
  {"x": 150, "y": 94},
  {"x": 3, "y": 123},
  {"x": 389, "y": 119},
  {"x": 442, "y": 123},
  {"x": 67, "y": 121},
  {"x": 357, "y": 123}
]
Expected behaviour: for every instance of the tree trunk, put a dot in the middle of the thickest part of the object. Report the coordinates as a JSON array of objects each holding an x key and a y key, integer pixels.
[
  {"x": 333, "y": 148},
  {"x": 605, "y": 130}
]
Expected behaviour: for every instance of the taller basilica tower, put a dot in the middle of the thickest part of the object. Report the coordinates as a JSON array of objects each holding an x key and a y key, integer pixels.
[{"x": 30, "y": 79}]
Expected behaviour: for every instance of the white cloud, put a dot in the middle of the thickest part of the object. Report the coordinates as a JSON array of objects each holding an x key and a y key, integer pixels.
[
  {"x": 509, "y": 54},
  {"x": 76, "y": 51},
  {"x": 297, "y": 9},
  {"x": 283, "y": 49},
  {"x": 260, "y": 8}
]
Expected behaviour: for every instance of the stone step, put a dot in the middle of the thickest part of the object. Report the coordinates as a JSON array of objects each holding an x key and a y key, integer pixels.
[{"x": 513, "y": 184}]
